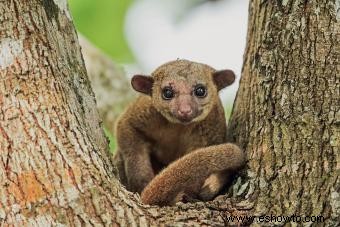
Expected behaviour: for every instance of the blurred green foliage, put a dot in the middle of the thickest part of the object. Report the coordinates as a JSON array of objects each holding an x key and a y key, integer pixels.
[
  {"x": 227, "y": 111},
  {"x": 112, "y": 140},
  {"x": 102, "y": 22}
]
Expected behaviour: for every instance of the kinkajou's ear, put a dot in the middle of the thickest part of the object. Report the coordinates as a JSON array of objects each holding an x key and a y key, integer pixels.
[
  {"x": 223, "y": 78},
  {"x": 142, "y": 84}
]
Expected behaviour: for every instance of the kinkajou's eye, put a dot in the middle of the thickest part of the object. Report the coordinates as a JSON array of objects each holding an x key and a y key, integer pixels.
[
  {"x": 200, "y": 91},
  {"x": 167, "y": 93}
]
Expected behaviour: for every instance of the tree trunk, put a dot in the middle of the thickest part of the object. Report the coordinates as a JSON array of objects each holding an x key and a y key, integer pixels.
[
  {"x": 55, "y": 166},
  {"x": 286, "y": 114}
]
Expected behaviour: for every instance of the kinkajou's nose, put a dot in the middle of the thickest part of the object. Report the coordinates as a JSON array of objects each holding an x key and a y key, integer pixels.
[{"x": 185, "y": 111}]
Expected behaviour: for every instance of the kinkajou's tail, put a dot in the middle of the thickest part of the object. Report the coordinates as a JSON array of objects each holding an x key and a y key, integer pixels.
[{"x": 189, "y": 172}]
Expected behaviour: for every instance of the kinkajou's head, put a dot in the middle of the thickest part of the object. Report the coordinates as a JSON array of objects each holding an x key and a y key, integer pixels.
[{"x": 183, "y": 91}]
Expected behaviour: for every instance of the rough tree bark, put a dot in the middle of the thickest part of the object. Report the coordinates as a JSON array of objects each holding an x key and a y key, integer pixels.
[
  {"x": 55, "y": 167},
  {"x": 286, "y": 114}
]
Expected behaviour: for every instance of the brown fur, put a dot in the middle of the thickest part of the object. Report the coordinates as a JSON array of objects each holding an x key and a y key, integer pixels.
[
  {"x": 153, "y": 132},
  {"x": 187, "y": 175}
]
